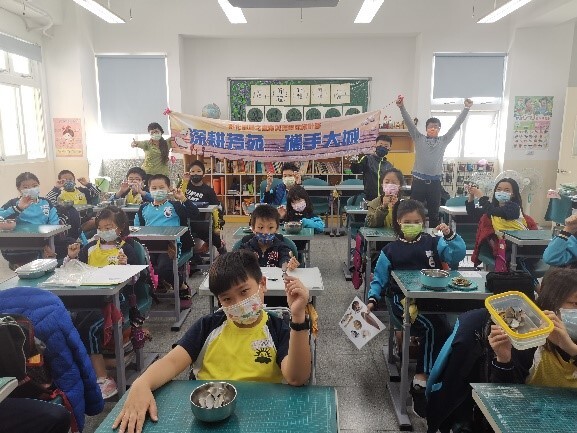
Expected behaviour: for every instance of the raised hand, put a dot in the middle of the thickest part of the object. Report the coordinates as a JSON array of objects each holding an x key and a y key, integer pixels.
[
  {"x": 400, "y": 101},
  {"x": 571, "y": 224},
  {"x": 83, "y": 181},
  {"x": 500, "y": 343},
  {"x": 281, "y": 211},
  {"x": 73, "y": 250},
  {"x": 25, "y": 201},
  {"x": 443, "y": 228},
  {"x": 60, "y": 183},
  {"x": 122, "y": 259},
  {"x": 468, "y": 103},
  {"x": 293, "y": 263},
  {"x": 178, "y": 194},
  {"x": 124, "y": 186},
  {"x": 134, "y": 143},
  {"x": 297, "y": 296}
]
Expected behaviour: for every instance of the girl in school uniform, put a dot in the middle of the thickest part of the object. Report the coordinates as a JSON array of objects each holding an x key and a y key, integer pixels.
[
  {"x": 111, "y": 248},
  {"x": 416, "y": 250},
  {"x": 380, "y": 210},
  {"x": 562, "y": 250},
  {"x": 554, "y": 363},
  {"x": 28, "y": 208},
  {"x": 300, "y": 208},
  {"x": 503, "y": 212}
]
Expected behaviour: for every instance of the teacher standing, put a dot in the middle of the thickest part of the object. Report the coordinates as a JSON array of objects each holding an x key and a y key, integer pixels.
[{"x": 155, "y": 151}]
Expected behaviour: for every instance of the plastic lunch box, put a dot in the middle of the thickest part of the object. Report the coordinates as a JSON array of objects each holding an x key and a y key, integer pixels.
[{"x": 540, "y": 326}]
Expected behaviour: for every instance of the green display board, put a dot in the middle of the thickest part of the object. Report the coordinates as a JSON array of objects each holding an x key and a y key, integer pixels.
[{"x": 277, "y": 100}]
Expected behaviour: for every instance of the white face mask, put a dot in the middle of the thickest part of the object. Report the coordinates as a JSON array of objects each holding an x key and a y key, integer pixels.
[
  {"x": 107, "y": 235},
  {"x": 245, "y": 312},
  {"x": 299, "y": 206},
  {"x": 31, "y": 192},
  {"x": 569, "y": 319},
  {"x": 289, "y": 180}
]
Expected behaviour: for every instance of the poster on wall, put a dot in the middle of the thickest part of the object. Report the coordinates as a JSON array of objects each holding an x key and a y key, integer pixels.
[
  {"x": 68, "y": 137},
  {"x": 532, "y": 122}
]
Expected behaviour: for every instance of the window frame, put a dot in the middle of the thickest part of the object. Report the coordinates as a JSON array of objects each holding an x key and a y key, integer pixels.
[{"x": 17, "y": 80}]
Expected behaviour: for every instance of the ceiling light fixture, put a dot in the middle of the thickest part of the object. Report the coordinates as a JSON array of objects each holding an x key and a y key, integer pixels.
[
  {"x": 368, "y": 11},
  {"x": 503, "y": 11},
  {"x": 234, "y": 14},
  {"x": 100, "y": 11}
]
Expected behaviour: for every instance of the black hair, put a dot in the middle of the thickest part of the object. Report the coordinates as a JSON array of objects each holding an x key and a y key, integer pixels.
[
  {"x": 515, "y": 197},
  {"x": 233, "y": 268},
  {"x": 397, "y": 172},
  {"x": 290, "y": 166},
  {"x": 384, "y": 137},
  {"x": 403, "y": 207},
  {"x": 63, "y": 172},
  {"x": 432, "y": 120},
  {"x": 162, "y": 144},
  {"x": 297, "y": 192},
  {"x": 265, "y": 212},
  {"x": 198, "y": 164},
  {"x": 159, "y": 176},
  {"x": 118, "y": 216},
  {"x": 23, "y": 177},
  {"x": 557, "y": 285},
  {"x": 136, "y": 170}
]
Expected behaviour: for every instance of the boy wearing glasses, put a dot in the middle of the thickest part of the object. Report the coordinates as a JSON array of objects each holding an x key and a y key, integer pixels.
[{"x": 429, "y": 152}]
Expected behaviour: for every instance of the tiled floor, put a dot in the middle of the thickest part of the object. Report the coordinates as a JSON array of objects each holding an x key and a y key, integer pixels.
[{"x": 359, "y": 375}]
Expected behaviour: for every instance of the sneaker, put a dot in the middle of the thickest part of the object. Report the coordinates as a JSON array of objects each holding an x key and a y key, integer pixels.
[
  {"x": 419, "y": 400},
  {"x": 163, "y": 287},
  {"x": 107, "y": 386}
]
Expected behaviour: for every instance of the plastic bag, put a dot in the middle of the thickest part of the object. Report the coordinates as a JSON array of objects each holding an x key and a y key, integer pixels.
[{"x": 72, "y": 274}]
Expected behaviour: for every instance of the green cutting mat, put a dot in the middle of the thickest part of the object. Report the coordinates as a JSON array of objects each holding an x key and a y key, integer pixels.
[{"x": 529, "y": 409}]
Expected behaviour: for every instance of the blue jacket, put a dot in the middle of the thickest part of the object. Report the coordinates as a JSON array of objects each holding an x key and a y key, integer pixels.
[
  {"x": 67, "y": 358},
  {"x": 561, "y": 251}
]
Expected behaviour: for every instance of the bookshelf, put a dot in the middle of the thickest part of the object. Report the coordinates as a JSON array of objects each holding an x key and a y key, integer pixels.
[{"x": 237, "y": 182}]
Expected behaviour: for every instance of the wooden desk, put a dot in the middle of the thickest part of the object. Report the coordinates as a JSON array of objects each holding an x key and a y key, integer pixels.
[
  {"x": 412, "y": 288},
  {"x": 170, "y": 234},
  {"x": 512, "y": 408},
  {"x": 30, "y": 237},
  {"x": 99, "y": 292},
  {"x": 521, "y": 238},
  {"x": 372, "y": 236},
  {"x": 310, "y": 277},
  {"x": 351, "y": 211},
  {"x": 261, "y": 407}
]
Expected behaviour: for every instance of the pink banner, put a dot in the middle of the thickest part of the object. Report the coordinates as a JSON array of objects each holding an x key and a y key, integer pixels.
[{"x": 315, "y": 139}]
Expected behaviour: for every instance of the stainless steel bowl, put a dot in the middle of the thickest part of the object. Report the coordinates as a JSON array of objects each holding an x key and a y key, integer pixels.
[
  {"x": 120, "y": 202},
  {"x": 435, "y": 278},
  {"x": 66, "y": 203},
  {"x": 293, "y": 227},
  {"x": 204, "y": 397}
]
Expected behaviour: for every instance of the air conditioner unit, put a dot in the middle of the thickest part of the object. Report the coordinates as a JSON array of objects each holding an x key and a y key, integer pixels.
[{"x": 272, "y": 4}]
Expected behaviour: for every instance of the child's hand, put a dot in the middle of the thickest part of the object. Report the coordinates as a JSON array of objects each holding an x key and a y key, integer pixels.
[
  {"x": 297, "y": 179},
  {"x": 124, "y": 187},
  {"x": 293, "y": 263},
  {"x": 134, "y": 143},
  {"x": 559, "y": 336},
  {"x": 501, "y": 344},
  {"x": 297, "y": 296},
  {"x": 139, "y": 402},
  {"x": 399, "y": 101},
  {"x": 282, "y": 212},
  {"x": 268, "y": 181},
  {"x": 571, "y": 224},
  {"x": 443, "y": 228},
  {"x": 475, "y": 191},
  {"x": 122, "y": 259},
  {"x": 468, "y": 103},
  {"x": 186, "y": 177},
  {"x": 73, "y": 250},
  {"x": 59, "y": 183},
  {"x": 178, "y": 194},
  {"x": 83, "y": 181},
  {"x": 25, "y": 201},
  {"x": 394, "y": 199}
]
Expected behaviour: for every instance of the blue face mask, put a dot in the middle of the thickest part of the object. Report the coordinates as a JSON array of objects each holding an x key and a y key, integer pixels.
[
  {"x": 69, "y": 185},
  {"x": 159, "y": 194},
  {"x": 265, "y": 238},
  {"x": 502, "y": 196}
]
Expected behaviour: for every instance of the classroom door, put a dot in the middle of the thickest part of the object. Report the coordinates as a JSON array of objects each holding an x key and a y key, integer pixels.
[{"x": 567, "y": 165}]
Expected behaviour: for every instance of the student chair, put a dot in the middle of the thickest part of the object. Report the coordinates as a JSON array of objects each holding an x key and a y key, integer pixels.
[{"x": 262, "y": 188}]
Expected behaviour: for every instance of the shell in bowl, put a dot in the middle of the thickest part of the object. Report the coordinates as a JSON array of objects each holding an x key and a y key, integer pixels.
[
  {"x": 435, "y": 278},
  {"x": 293, "y": 227},
  {"x": 213, "y": 401}
]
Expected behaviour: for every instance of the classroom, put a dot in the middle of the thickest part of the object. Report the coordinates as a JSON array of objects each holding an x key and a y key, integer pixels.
[{"x": 404, "y": 172}]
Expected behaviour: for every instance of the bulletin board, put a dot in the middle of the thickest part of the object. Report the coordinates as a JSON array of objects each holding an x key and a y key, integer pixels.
[{"x": 296, "y": 99}]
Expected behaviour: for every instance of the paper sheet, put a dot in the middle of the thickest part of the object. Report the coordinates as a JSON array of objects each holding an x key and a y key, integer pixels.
[
  {"x": 359, "y": 325},
  {"x": 111, "y": 274}
]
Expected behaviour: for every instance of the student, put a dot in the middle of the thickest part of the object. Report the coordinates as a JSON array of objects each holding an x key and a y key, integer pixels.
[
  {"x": 155, "y": 151},
  {"x": 562, "y": 250},
  {"x": 65, "y": 190},
  {"x": 380, "y": 209},
  {"x": 374, "y": 166},
  {"x": 111, "y": 248},
  {"x": 29, "y": 208},
  {"x": 265, "y": 243},
  {"x": 300, "y": 208},
  {"x": 222, "y": 346},
  {"x": 429, "y": 152},
  {"x": 504, "y": 212},
  {"x": 134, "y": 188},
  {"x": 33, "y": 416},
  {"x": 416, "y": 250},
  {"x": 196, "y": 190},
  {"x": 554, "y": 363},
  {"x": 277, "y": 195},
  {"x": 164, "y": 212}
]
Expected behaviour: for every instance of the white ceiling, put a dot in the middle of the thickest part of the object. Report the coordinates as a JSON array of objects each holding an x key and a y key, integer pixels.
[{"x": 205, "y": 18}]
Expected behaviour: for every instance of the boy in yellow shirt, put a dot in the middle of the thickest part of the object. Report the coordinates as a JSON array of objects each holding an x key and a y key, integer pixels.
[
  {"x": 65, "y": 189},
  {"x": 238, "y": 342}
]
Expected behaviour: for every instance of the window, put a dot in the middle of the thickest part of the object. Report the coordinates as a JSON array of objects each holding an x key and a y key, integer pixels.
[
  {"x": 477, "y": 136},
  {"x": 21, "y": 114}
]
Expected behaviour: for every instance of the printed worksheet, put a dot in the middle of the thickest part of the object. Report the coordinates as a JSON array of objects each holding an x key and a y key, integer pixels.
[{"x": 359, "y": 324}]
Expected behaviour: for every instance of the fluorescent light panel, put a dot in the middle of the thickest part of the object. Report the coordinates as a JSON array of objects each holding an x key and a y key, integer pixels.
[
  {"x": 503, "y": 11},
  {"x": 368, "y": 11},
  {"x": 234, "y": 14},
  {"x": 100, "y": 11}
]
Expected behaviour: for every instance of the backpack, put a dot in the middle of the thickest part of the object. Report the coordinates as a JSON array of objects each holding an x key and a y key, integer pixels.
[{"x": 358, "y": 262}]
